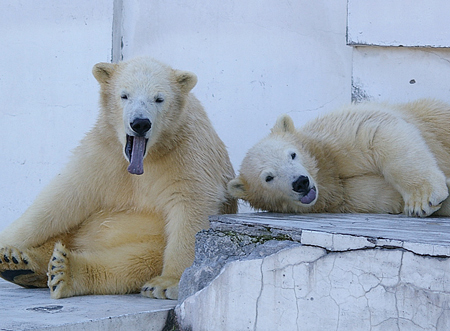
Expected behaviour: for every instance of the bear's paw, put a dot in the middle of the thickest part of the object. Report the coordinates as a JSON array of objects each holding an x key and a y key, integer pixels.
[
  {"x": 17, "y": 267},
  {"x": 426, "y": 199},
  {"x": 59, "y": 274},
  {"x": 161, "y": 288}
]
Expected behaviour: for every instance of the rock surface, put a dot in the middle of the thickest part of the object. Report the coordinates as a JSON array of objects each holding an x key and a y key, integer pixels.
[{"x": 319, "y": 272}]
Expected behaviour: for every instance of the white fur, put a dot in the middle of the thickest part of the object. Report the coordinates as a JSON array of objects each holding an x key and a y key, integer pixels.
[
  {"x": 121, "y": 230},
  {"x": 368, "y": 157}
]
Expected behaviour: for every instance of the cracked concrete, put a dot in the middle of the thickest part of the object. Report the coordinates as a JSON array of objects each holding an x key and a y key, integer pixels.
[{"x": 323, "y": 272}]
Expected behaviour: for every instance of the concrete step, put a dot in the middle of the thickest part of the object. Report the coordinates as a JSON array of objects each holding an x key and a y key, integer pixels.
[
  {"x": 265, "y": 271},
  {"x": 318, "y": 273},
  {"x": 33, "y": 309}
]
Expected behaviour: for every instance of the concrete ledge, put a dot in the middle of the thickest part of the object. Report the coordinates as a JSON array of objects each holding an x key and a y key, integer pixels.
[
  {"x": 266, "y": 271},
  {"x": 319, "y": 272},
  {"x": 33, "y": 309}
]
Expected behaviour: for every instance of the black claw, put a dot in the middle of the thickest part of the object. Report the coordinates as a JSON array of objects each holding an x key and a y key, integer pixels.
[
  {"x": 53, "y": 267},
  {"x": 53, "y": 258},
  {"x": 5, "y": 258},
  {"x": 15, "y": 260},
  {"x": 52, "y": 277},
  {"x": 145, "y": 289},
  {"x": 430, "y": 204},
  {"x": 25, "y": 261},
  {"x": 54, "y": 288},
  {"x": 423, "y": 212},
  {"x": 151, "y": 289}
]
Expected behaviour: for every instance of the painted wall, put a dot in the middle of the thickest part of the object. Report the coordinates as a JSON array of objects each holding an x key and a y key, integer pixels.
[
  {"x": 401, "y": 74},
  {"x": 383, "y": 68},
  {"x": 255, "y": 60},
  {"x": 398, "y": 23},
  {"x": 48, "y": 96}
]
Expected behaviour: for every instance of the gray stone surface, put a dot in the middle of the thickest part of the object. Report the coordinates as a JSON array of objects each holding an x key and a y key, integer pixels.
[
  {"x": 433, "y": 231},
  {"x": 265, "y": 271},
  {"x": 257, "y": 271},
  {"x": 33, "y": 309},
  {"x": 240, "y": 237},
  {"x": 214, "y": 249}
]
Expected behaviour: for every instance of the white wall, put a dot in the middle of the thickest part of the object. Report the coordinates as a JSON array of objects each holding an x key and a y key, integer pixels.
[
  {"x": 383, "y": 71},
  {"x": 254, "y": 59},
  {"x": 401, "y": 74},
  {"x": 398, "y": 23},
  {"x": 48, "y": 96}
]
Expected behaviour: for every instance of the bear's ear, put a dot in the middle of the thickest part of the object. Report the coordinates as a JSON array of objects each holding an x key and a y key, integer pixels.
[
  {"x": 236, "y": 188},
  {"x": 186, "y": 79},
  {"x": 283, "y": 124},
  {"x": 103, "y": 71}
]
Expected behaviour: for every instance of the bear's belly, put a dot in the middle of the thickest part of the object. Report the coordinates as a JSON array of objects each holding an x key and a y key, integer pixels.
[{"x": 112, "y": 229}]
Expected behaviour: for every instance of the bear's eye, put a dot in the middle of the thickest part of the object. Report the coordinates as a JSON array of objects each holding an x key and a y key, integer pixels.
[
  {"x": 269, "y": 178},
  {"x": 293, "y": 156},
  {"x": 124, "y": 96},
  {"x": 159, "y": 99}
]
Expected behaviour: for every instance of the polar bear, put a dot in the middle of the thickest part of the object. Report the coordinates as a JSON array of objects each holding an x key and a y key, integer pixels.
[
  {"x": 364, "y": 158},
  {"x": 100, "y": 229}
]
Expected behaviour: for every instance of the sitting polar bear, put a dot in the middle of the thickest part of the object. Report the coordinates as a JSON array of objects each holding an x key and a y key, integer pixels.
[
  {"x": 98, "y": 229},
  {"x": 365, "y": 158}
]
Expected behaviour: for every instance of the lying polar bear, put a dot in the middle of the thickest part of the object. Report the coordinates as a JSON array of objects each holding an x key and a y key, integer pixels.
[
  {"x": 365, "y": 158},
  {"x": 122, "y": 216}
]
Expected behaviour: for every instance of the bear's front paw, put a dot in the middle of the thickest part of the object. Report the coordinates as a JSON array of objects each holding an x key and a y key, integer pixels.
[
  {"x": 17, "y": 267},
  {"x": 59, "y": 275},
  {"x": 161, "y": 288},
  {"x": 423, "y": 204}
]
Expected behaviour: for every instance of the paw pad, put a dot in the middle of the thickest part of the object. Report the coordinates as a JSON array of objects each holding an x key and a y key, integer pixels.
[{"x": 14, "y": 268}]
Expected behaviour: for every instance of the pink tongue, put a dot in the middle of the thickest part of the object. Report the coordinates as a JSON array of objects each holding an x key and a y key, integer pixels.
[
  {"x": 136, "y": 166},
  {"x": 307, "y": 199}
]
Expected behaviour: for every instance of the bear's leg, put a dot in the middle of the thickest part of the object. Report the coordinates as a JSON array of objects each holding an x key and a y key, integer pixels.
[
  {"x": 117, "y": 270},
  {"x": 27, "y": 268},
  {"x": 406, "y": 162},
  {"x": 179, "y": 252}
]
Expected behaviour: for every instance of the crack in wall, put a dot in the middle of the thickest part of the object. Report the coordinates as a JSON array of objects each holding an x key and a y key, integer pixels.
[
  {"x": 339, "y": 280},
  {"x": 259, "y": 296},
  {"x": 357, "y": 279},
  {"x": 440, "y": 57}
]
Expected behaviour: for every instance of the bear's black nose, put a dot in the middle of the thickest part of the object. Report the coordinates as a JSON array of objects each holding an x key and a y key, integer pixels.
[
  {"x": 301, "y": 184},
  {"x": 141, "y": 126}
]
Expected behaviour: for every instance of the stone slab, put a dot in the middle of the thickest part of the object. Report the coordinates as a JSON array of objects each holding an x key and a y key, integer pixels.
[
  {"x": 322, "y": 272},
  {"x": 32, "y": 309},
  {"x": 426, "y": 236}
]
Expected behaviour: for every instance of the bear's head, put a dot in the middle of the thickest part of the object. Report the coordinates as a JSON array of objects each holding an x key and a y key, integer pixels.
[
  {"x": 143, "y": 101},
  {"x": 277, "y": 174}
]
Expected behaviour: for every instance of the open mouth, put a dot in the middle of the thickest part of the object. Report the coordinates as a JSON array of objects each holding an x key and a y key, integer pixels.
[
  {"x": 135, "y": 150},
  {"x": 309, "y": 197}
]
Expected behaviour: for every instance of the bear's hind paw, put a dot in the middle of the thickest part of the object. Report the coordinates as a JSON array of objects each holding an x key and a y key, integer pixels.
[
  {"x": 16, "y": 267},
  {"x": 59, "y": 276},
  {"x": 161, "y": 288}
]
